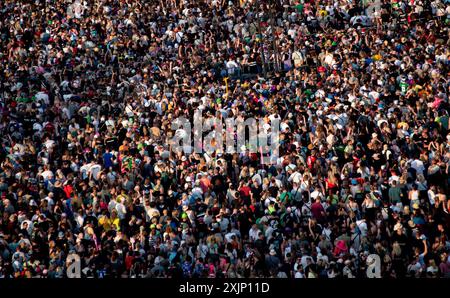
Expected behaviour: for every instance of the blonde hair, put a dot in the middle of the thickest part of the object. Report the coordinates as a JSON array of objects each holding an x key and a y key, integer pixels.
[{"x": 396, "y": 249}]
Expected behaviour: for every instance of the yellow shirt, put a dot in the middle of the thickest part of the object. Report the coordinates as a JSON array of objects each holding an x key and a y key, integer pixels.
[
  {"x": 116, "y": 222},
  {"x": 323, "y": 13},
  {"x": 105, "y": 222}
]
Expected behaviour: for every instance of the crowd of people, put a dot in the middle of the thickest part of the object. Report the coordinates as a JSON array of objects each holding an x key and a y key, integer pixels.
[{"x": 88, "y": 92}]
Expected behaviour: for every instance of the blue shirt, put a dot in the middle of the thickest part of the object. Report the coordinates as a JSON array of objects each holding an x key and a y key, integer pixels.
[{"x": 107, "y": 160}]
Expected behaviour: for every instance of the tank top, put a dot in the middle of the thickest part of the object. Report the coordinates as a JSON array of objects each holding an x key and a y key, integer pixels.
[{"x": 415, "y": 196}]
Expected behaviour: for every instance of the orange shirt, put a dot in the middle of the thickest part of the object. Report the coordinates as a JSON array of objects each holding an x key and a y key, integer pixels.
[
  {"x": 123, "y": 148},
  {"x": 205, "y": 184}
]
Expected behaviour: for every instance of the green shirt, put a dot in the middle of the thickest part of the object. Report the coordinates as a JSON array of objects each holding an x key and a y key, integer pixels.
[
  {"x": 299, "y": 7},
  {"x": 285, "y": 196},
  {"x": 443, "y": 120},
  {"x": 394, "y": 194},
  {"x": 334, "y": 199},
  {"x": 404, "y": 87}
]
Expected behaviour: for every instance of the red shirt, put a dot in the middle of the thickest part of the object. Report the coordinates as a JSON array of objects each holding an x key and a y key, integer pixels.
[
  {"x": 129, "y": 262},
  {"x": 68, "y": 190},
  {"x": 310, "y": 161},
  {"x": 244, "y": 191}
]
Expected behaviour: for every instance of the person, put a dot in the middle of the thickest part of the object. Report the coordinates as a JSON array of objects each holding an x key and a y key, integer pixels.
[
  {"x": 395, "y": 194},
  {"x": 90, "y": 96},
  {"x": 317, "y": 210}
]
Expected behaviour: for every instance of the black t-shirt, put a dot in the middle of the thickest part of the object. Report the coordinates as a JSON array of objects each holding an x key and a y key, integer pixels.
[
  {"x": 256, "y": 191},
  {"x": 218, "y": 183},
  {"x": 273, "y": 190},
  {"x": 91, "y": 219},
  {"x": 244, "y": 222},
  {"x": 378, "y": 163},
  {"x": 111, "y": 142},
  {"x": 418, "y": 243},
  {"x": 261, "y": 246},
  {"x": 28, "y": 120},
  {"x": 200, "y": 207},
  {"x": 317, "y": 229},
  {"x": 201, "y": 228},
  {"x": 161, "y": 205},
  {"x": 122, "y": 134},
  {"x": 286, "y": 268},
  {"x": 424, "y": 141}
]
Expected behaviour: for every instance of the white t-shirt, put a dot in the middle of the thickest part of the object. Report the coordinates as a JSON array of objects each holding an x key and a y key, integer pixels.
[
  {"x": 151, "y": 212},
  {"x": 316, "y": 194},
  {"x": 431, "y": 196},
  {"x": 253, "y": 234},
  {"x": 295, "y": 177},
  {"x": 47, "y": 174},
  {"x": 42, "y": 96},
  {"x": 362, "y": 226},
  {"x": 49, "y": 144},
  {"x": 85, "y": 170},
  {"x": 121, "y": 210},
  {"x": 394, "y": 177},
  {"x": 304, "y": 261},
  {"x": 257, "y": 178},
  {"x": 95, "y": 169},
  {"x": 50, "y": 203},
  {"x": 268, "y": 233},
  {"x": 417, "y": 164}
]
